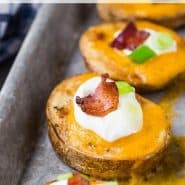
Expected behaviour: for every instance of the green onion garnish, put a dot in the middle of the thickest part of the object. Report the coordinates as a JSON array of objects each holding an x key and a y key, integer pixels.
[
  {"x": 141, "y": 54},
  {"x": 110, "y": 183},
  {"x": 162, "y": 41},
  {"x": 124, "y": 88},
  {"x": 64, "y": 176}
]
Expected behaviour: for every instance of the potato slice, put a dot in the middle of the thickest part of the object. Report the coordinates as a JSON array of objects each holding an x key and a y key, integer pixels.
[
  {"x": 154, "y": 74},
  {"x": 171, "y": 15},
  {"x": 88, "y": 153}
]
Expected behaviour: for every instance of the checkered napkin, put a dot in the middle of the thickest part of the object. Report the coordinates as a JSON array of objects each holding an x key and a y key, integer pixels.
[{"x": 15, "y": 20}]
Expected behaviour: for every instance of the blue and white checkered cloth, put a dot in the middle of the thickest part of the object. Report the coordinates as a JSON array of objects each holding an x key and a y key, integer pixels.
[{"x": 15, "y": 20}]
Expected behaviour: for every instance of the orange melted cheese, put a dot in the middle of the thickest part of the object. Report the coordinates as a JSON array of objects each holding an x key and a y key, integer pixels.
[
  {"x": 174, "y": 172},
  {"x": 173, "y": 169},
  {"x": 149, "y": 11}
]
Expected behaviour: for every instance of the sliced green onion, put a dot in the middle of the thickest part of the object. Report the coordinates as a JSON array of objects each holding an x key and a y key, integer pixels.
[
  {"x": 124, "y": 88},
  {"x": 64, "y": 176},
  {"x": 110, "y": 183},
  {"x": 141, "y": 54},
  {"x": 162, "y": 41}
]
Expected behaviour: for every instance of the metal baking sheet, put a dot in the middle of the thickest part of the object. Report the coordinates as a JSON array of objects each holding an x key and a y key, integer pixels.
[{"x": 49, "y": 54}]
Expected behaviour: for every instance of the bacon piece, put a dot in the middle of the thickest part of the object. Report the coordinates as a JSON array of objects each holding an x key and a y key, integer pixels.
[
  {"x": 104, "y": 100},
  {"x": 129, "y": 38},
  {"x": 77, "y": 179}
]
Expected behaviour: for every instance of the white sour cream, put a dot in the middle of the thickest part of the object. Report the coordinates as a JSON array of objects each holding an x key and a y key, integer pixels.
[
  {"x": 62, "y": 182},
  {"x": 127, "y": 119},
  {"x": 148, "y": 42}
]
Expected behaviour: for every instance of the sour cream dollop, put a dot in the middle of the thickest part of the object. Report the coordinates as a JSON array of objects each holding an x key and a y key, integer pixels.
[
  {"x": 153, "y": 37},
  {"x": 127, "y": 119},
  {"x": 62, "y": 182}
]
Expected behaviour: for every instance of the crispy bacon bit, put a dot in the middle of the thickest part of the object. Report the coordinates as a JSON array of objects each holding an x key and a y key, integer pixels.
[
  {"x": 77, "y": 179},
  {"x": 104, "y": 100},
  {"x": 129, "y": 38}
]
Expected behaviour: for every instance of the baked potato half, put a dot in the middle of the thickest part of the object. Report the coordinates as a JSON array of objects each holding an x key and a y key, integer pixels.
[
  {"x": 171, "y": 15},
  {"x": 152, "y": 75},
  {"x": 88, "y": 153}
]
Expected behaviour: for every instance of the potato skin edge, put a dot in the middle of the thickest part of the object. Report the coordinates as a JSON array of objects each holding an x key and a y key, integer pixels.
[{"x": 102, "y": 168}]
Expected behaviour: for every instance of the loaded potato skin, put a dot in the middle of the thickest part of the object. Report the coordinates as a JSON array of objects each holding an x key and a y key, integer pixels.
[
  {"x": 154, "y": 74},
  {"x": 170, "y": 15},
  {"x": 88, "y": 153}
]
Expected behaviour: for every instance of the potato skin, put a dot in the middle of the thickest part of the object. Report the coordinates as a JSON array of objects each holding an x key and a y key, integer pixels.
[
  {"x": 94, "y": 165},
  {"x": 152, "y": 75},
  {"x": 49, "y": 183},
  {"x": 173, "y": 18},
  {"x": 97, "y": 167}
]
